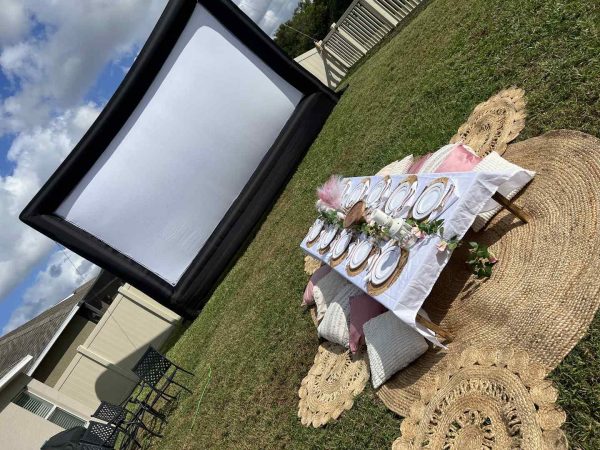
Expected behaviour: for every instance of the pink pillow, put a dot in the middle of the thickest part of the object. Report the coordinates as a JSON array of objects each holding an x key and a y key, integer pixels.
[
  {"x": 308, "y": 297},
  {"x": 459, "y": 159},
  {"x": 362, "y": 309},
  {"x": 414, "y": 168}
]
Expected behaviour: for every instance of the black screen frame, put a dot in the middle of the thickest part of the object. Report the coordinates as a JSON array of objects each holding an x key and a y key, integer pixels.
[{"x": 231, "y": 235}]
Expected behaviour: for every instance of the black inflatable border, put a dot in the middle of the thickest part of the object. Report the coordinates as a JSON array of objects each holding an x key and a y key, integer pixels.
[{"x": 189, "y": 295}]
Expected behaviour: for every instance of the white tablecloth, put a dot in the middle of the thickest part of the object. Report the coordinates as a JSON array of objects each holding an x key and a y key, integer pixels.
[{"x": 425, "y": 263}]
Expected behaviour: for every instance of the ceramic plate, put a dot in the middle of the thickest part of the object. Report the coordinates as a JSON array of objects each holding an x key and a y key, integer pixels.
[
  {"x": 378, "y": 192},
  {"x": 327, "y": 237},
  {"x": 385, "y": 265},
  {"x": 429, "y": 199},
  {"x": 399, "y": 197},
  {"x": 315, "y": 230},
  {"x": 360, "y": 253},
  {"x": 346, "y": 192},
  {"x": 341, "y": 244},
  {"x": 357, "y": 193}
]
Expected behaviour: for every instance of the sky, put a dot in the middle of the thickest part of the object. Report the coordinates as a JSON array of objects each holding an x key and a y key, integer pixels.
[{"x": 60, "y": 62}]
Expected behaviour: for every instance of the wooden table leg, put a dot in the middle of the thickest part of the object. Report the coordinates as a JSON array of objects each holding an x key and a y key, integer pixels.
[
  {"x": 435, "y": 328},
  {"x": 520, "y": 213}
]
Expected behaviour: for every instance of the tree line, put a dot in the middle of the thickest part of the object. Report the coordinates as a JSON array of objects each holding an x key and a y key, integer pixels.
[{"x": 311, "y": 21}]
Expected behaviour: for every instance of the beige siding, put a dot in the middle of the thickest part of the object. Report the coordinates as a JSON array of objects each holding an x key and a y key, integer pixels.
[
  {"x": 101, "y": 370},
  {"x": 313, "y": 62},
  {"x": 63, "y": 351},
  {"x": 21, "y": 429}
]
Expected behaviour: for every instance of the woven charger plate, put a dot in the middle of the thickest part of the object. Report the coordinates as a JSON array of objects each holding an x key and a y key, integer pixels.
[
  {"x": 332, "y": 382},
  {"x": 486, "y": 399},
  {"x": 545, "y": 289},
  {"x": 494, "y": 123}
]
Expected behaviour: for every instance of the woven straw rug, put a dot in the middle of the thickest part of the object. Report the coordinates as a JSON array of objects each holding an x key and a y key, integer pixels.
[
  {"x": 494, "y": 123},
  {"x": 331, "y": 384},
  {"x": 486, "y": 399},
  {"x": 545, "y": 289}
]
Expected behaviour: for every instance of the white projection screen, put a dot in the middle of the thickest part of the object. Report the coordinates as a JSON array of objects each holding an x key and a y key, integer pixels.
[
  {"x": 212, "y": 139},
  {"x": 193, "y": 148}
]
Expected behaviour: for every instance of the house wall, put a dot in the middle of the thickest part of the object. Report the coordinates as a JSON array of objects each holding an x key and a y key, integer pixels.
[
  {"x": 21, "y": 429},
  {"x": 64, "y": 350},
  {"x": 101, "y": 368},
  {"x": 313, "y": 62}
]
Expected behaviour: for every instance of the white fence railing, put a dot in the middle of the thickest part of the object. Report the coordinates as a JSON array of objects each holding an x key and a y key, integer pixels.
[{"x": 362, "y": 26}]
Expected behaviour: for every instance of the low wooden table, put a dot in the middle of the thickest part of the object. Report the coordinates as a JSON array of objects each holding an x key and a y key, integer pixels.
[{"x": 423, "y": 263}]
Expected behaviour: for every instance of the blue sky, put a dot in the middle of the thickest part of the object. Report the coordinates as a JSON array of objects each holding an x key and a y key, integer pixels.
[{"x": 60, "y": 62}]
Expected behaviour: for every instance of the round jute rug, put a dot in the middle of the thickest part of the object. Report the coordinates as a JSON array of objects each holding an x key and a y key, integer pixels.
[
  {"x": 494, "y": 123},
  {"x": 545, "y": 289},
  {"x": 331, "y": 384},
  {"x": 489, "y": 399},
  {"x": 311, "y": 264}
]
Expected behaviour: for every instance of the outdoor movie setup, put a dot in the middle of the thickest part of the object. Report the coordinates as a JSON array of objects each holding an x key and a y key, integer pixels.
[{"x": 171, "y": 180}]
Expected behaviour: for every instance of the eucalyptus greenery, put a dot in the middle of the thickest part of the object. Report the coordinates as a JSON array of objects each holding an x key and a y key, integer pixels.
[
  {"x": 330, "y": 217},
  {"x": 481, "y": 260}
]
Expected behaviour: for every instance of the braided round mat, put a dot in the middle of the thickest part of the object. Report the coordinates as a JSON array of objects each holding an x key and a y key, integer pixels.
[
  {"x": 494, "y": 123},
  {"x": 485, "y": 398},
  {"x": 311, "y": 264},
  {"x": 545, "y": 289},
  {"x": 331, "y": 384}
]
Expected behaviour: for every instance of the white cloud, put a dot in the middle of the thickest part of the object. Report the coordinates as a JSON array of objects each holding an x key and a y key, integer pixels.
[
  {"x": 14, "y": 21},
  {"x": 65, "y": 271},
  {"x": 268, "y": 14},
  {"x": 56, "y": 67},
  {"x": 51, "y": 70},
  {"x": 35, "y": 155}
]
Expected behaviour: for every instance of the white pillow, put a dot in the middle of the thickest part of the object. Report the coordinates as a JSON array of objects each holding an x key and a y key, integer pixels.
[
  {"x": 496, "y": 163},
  {"x": 335, "y": 324},
  {"x": 391, "y": 345},
  {"x": 329, "y": 288},
  {"x": 397, "y": 167},
  {"x": 438, "y": 157}
]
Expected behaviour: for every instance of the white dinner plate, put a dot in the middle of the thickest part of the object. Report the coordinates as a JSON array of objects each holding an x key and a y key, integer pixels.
[
  {"x": 399, "y": 197},
  {"x": 315, "y": 230},
  {"x": 327, "y": 236},
  {"x": 378, "y": 192},
  {"x": 385, "y": 265},
  {"x": 360, "y": 253},
  {"x": 430, "y": 199},
  {"x": 357, "y": 193},
  {"x": 346, "y": 192},
  {"x": 341, "y": 244}
]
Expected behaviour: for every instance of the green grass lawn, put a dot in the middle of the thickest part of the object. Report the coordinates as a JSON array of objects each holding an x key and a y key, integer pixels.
[{"x": 409, "y": 97}]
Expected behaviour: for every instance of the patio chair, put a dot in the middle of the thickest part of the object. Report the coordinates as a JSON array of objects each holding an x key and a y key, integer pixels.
[
  {"x": 100, "y": 434},
  {"x": 153, "y": 367},
  {"x": 117, "y": 415}
]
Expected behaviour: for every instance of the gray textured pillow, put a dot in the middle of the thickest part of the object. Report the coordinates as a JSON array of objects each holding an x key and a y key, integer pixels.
[{"x": 391, "y": 345}]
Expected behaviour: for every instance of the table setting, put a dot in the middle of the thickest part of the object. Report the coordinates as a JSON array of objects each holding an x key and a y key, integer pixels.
[{"x": 391, "y": 236}]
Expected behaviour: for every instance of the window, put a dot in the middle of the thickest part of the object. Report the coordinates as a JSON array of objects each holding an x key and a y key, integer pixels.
[
  {"x": 47, "y": 410},
  {"x": 65, "y": 419}
]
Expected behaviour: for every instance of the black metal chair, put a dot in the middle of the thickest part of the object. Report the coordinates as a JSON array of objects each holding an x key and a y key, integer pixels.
[
  {"x": 117, "y": 415},
  {"x": 153, "y": 367},
  {"x": 100, "y": 434}
]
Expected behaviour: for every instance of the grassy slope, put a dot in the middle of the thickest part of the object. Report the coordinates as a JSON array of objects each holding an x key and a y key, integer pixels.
[{"x": 410, "y": 97}]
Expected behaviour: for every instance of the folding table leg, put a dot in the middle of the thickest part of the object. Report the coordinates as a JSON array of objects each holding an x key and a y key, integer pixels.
[
  {"x": 509, "y": 205},
  {"x": 434, "y": 327}
]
